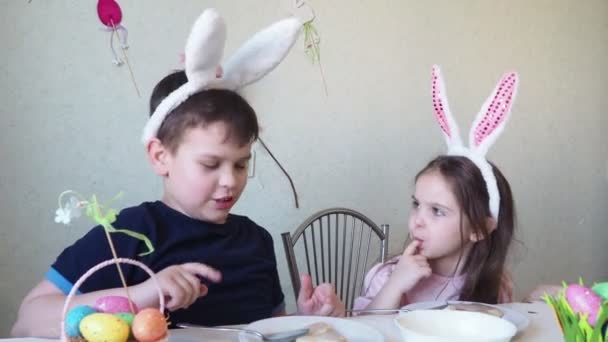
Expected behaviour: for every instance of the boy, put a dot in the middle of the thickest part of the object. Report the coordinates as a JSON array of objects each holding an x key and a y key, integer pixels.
[{"x": 214, "y": 268}]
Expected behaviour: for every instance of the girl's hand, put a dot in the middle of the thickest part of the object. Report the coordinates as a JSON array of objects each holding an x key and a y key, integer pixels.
[
  {"x": 410, "y": 269},
  {"x": 180, "y": 284}
]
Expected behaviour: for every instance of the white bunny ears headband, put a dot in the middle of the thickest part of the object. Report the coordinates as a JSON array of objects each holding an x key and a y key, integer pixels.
[
  {"x": 204, "y": 49},
  {"x": 486, "y": 128}
]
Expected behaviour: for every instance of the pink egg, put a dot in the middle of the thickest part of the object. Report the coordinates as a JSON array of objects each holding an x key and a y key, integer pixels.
[
  {"x": 114, "y": 304},
  {"x": 584, "y": 301}
]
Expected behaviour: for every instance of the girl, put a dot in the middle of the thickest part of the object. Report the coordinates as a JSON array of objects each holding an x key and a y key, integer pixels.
[{"x": 461, "y": 221}]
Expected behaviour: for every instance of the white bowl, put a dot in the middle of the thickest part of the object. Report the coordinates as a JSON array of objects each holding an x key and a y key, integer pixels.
[{"x": 451, "y": 325}]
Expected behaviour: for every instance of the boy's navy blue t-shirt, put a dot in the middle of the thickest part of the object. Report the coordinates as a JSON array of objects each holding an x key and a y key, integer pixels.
[{"x": 240, "y": 249}]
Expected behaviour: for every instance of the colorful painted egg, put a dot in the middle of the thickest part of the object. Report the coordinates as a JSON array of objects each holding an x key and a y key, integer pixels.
[
  {"x": 104, "y": 327},
  {"x": 114, "y": 304},
  {"x": 601, "y": 289},
  {"x": 126, "y": 316},
  {"x": 584, "y": 301},
  {"x": 149, "y": 325},
  {"x": 73, "y": 318}
]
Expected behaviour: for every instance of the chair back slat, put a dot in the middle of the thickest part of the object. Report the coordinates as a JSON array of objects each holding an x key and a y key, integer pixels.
[
  {"x": 307, "y": 254},
  {"x": 344, "y": 230},
  {"x": 365, "y": 261},
  {"x": 359, "y": 242},
  {"x": 314, "y": 254},
  {"x": 336, "y": 255}
]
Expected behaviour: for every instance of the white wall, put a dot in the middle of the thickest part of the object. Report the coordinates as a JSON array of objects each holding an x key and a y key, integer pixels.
[{"x": 70, "y": 119}]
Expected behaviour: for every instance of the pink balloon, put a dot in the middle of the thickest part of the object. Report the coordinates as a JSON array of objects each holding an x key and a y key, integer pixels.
[{"x": 109, "y": 13}]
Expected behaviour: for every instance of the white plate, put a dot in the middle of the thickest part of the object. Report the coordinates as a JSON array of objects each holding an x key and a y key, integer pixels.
[
  {"x": 520, "y": 320},
  {"x": 353, "y": 331},
  {"x": 200, "y": 335}
]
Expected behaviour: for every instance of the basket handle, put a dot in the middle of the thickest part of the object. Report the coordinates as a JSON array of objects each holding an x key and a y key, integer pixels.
[{"x": 68, "y": 299}]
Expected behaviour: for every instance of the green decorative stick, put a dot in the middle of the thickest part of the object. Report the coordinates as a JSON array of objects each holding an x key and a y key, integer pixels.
[{"x": 95, "y": 211}]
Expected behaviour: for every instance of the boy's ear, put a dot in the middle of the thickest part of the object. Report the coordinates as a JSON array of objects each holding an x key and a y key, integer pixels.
[
  {"x": 490, "y": 226},
  {"x": 158, "y": 156}
]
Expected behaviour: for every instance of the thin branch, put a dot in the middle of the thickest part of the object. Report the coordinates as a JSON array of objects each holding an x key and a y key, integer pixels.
[{"x": 293, "y": 188}]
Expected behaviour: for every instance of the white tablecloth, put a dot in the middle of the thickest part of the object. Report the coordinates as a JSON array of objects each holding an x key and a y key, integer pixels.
[{"x": 543, "y": 326}]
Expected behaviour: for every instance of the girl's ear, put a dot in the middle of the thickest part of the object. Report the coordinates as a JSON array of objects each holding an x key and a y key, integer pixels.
[
  {"x": 475, "y": 237},
  {"x": 491, "y": 224},
  {"x": 490, "y": 227},
  {"x": 158, "y": 156}
]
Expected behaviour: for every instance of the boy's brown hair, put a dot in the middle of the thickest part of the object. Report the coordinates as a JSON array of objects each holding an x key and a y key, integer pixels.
[{"x": 202, "y": 109}]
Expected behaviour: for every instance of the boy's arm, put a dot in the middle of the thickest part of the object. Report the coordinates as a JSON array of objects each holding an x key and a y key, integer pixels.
[{"x": 40, "y": 312}]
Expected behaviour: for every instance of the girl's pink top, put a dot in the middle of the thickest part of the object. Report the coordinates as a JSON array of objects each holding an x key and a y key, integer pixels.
[{"x": 433, "y": 288}]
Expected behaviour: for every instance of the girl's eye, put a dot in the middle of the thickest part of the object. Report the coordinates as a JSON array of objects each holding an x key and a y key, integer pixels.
[
  {"x": 242, "y": 166},
  {"x": 438, "y": 212}
]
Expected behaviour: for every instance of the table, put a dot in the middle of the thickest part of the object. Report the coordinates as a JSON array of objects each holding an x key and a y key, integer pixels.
[{"x": 543, "y": 325}]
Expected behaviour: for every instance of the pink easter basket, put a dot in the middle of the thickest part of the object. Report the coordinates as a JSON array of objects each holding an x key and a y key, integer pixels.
[{"x": 66, "y": 306}]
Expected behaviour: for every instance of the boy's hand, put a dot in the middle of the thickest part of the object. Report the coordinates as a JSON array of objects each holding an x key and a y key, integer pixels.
[
  {"x": 410, "y": 269},
  {"x": 181, "y": 285},
  {"x": 319, "y": 301}
]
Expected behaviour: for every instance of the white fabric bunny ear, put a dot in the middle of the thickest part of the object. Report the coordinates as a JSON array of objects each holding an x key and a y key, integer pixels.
[
  {"x": 486, "y": 128},
  {"x": 204, "y": 49},
  {"x": 261, "y": 53}
]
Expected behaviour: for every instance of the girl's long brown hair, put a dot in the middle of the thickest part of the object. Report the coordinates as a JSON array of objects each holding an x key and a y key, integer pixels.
[{"x": 484, "y": 266}]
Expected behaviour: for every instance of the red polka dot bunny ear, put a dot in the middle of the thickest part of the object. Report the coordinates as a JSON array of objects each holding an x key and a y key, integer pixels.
[
  {"x": 494, "y": 113},
  {"x": 486, "y": 128},
  {"x": 443, "y": 115}
]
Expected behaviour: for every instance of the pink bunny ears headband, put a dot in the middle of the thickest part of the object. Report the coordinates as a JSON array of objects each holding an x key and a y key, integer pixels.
[
  {"x": 204, "y": 49},
  {"x": 486, "y": 128}
]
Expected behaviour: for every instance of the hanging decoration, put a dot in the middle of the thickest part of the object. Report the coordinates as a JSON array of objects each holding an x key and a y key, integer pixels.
[
  {"x": 312, "y": 40},
  {"x": 110, "y": 15}
]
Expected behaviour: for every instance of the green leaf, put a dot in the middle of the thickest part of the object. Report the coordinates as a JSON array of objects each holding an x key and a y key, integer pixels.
[{"x": 138, "y": 236}]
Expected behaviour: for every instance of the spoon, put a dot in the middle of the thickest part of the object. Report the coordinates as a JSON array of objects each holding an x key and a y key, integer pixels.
[{"x": 284, "y": 336}]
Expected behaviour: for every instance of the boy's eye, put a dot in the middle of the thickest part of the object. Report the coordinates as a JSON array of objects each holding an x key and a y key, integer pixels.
[
  {"x": 438, "y": 211},
  {"x": 210, "y": 166},
  {"x": 242, "y": 166},
  {"x": 415, "y": 204}
]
